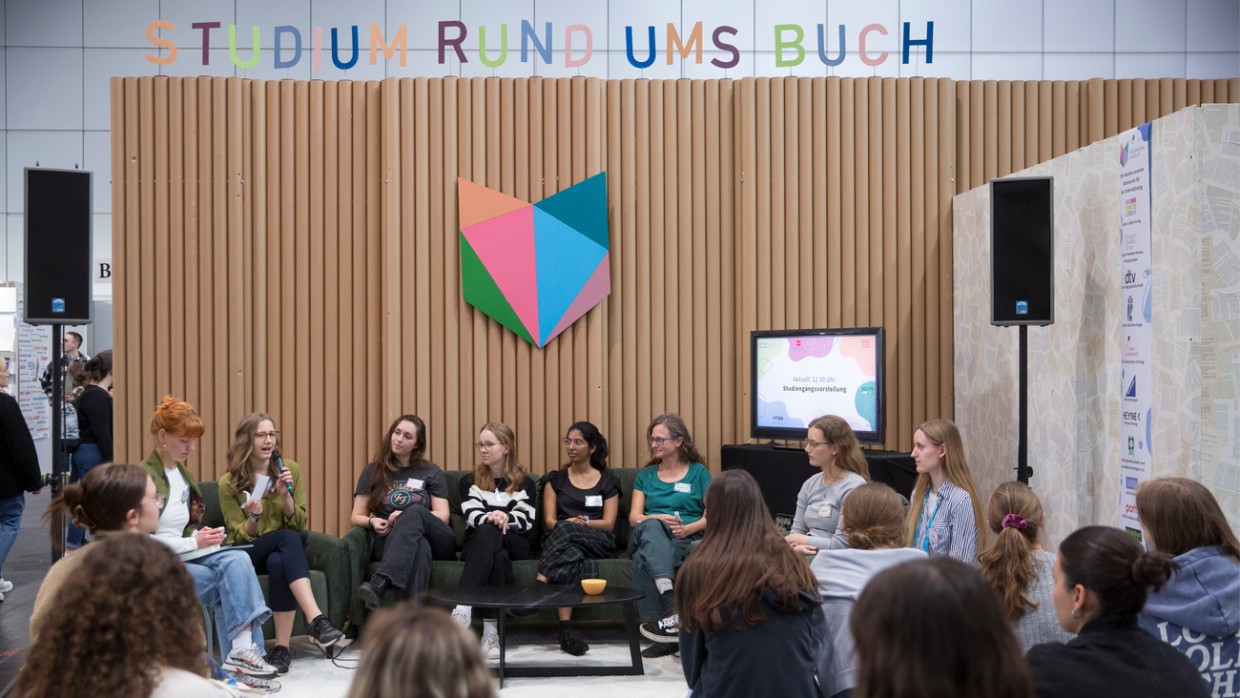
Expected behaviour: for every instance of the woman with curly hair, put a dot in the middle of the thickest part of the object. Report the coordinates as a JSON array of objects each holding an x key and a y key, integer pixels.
[
  {"x": 403, "y": 499},
  {"x": 125, "y": 633},
  {"x": 747, "y": 602},
  {"x": 225, "y": 579},
  {"x": 269, "y": 526},
  {"x": 944, "y": 514},
  {"x": 408, "y": 650},
  {"x": 1017, "y": 566}
]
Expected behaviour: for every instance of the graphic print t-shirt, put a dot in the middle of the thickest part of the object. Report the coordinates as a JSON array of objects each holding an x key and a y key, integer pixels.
[{"x": 409, "y": 487}]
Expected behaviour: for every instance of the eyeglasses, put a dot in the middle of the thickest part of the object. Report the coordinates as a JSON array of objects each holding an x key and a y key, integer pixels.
[
  {"x": 486, "y": 445},
  {"x": 659, "y": 440},
  {"x": 574, "y": 442},
  {"x": 159, "y": 500},
  {"x": 264, "y": 435},
  {"x": 810, "y": 443}
]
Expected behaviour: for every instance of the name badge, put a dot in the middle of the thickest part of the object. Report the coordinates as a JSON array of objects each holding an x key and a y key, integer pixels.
[
  {"x": 415, "y": 484},
  {"x": 825, "y": 511},
  {"x": 502, "y": 498},
  {"x": 594, "y": 500},
  {"x": 684, "y": 487}
]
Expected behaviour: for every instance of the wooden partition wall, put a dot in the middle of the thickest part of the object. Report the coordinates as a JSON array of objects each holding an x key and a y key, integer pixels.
[{"x": 291, "y": 247}]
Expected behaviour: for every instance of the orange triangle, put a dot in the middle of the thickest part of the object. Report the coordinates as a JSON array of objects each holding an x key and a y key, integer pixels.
[{"x": 476, "y": 203}]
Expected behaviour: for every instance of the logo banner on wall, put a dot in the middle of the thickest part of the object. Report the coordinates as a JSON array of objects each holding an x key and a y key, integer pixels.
[
  {"x": 34, "y": 353},
  {"x": 1136, "y": 295}
]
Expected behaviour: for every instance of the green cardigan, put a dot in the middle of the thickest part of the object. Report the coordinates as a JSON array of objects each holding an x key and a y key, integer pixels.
[
  {"x": 197, "y": 507},
  {"x": 273, "y": 518}
]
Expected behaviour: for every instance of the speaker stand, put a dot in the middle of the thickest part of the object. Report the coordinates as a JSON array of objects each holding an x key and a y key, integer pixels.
[
  {"x": 1023, "y": 471},
  {"x": 60, "y": 475}
]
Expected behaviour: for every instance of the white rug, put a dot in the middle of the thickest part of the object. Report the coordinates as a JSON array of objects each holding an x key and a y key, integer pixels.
[{"x": 314, "y": 676}]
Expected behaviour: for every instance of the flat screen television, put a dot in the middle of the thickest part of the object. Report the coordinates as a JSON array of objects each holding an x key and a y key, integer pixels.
[{"x": 800, "y": 375}]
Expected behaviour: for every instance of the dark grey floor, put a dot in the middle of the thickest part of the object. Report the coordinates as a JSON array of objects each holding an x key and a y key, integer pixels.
[{"x": 26, "y": 566}]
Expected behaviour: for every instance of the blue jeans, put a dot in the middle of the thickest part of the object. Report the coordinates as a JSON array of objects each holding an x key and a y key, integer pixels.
[
  {"x": 10, "y": 522},
  {"x": 656, "y": 554},
  {"x": 85, "y": 458},
  {"x": 226, "y": 582}
]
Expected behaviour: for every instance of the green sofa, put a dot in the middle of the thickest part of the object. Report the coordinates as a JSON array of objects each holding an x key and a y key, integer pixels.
[
  {"x": 446, "y": 574},
  {"x": 331, "y": 575}
]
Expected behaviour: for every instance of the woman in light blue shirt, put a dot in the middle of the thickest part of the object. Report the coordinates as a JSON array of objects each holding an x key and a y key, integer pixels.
[{"x": 944, "y": 514}]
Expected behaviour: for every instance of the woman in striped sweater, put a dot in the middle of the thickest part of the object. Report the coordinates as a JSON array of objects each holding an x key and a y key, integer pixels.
[{"x": 497, "y": 500}]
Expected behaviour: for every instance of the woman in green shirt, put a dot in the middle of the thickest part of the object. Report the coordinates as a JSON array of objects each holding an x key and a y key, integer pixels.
[{"x": 268, "y": 523}]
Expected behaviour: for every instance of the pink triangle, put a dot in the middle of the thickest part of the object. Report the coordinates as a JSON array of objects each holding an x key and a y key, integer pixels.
[
  {"x": 596, "y": 289},
  {"x": 505, "y": 245}
]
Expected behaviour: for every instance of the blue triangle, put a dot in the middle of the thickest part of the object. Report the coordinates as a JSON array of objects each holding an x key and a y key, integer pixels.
[
  {"x": 582, "y": 206},
  {"x": 564, "y": 259}
]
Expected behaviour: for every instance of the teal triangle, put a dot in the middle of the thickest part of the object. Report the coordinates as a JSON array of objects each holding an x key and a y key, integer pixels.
[
  {"x": 565, "y": 260},
  {"x": 582, "y": 207},
  {"x": 482, "y": 292}
]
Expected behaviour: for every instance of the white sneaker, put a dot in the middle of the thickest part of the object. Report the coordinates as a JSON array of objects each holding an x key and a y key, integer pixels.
[
  {"x": 463, "y": 615},
  {"x": 490, "y": 645},
  {"x": 5, "y": 586},
  {"x": 250, "y": 661}
]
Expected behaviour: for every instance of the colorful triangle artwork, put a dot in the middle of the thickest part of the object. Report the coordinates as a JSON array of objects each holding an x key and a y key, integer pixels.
[{"x": 535, "y": 268}]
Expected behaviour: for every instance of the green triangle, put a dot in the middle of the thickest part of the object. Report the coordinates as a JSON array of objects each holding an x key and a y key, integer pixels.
[
  {"x": 481, "y": 292},
  {"x": 582, "y": 207}
]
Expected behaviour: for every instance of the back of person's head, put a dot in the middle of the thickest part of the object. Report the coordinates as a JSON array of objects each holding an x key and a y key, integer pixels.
[
  {"x": 1179, "y": 514},
  {"x": 130, "y": 610},
  {"x": 595, "y": 440},
  {"x": 741, "y": 558},
  {"x": 177, "y": 417},
  {"x": 94, "y": 370},
  {"x": 1114, "y": 568},
  {"x": 840, "y": 434},
  {"x": 934, "y": 628},
  {"x": 409, "y": 650},
  {"x": 874, "y": 517},
  {"x": 1015, "y": 517},
  {"x": 103, "y": 499}
]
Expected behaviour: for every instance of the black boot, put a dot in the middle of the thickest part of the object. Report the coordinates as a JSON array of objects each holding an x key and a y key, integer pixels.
[{"x": 371, "y": 593}]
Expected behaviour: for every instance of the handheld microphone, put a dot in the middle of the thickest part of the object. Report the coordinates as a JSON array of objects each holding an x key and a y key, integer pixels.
[{"x": 279, "y": 463}]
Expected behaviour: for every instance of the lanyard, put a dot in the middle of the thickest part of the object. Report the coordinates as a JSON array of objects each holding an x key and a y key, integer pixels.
[{"x": 925, "y": 541}]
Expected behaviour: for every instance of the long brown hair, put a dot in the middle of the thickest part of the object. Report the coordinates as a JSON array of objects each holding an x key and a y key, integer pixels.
[
  {"x": 741, "y": 558},
  {"x": 838, "y": 433},
  {"x": 1181, "y": 514},
  {"x": 1015, "y": 517},
  {"x": 512, "y": 467},
  {"x": 934, "y": 628},
  {"x": 943, "y": 432},
  {"x": 676, "y": 427},
  {"x": 102, "y": 500},
  {"x": 386, "y": 463},
  {"x": 411, "y": 650},
  {"x": 113, "y": 635},
  {"x": 873, "y": 517},
  {"x": 241, "y": 476},
  {"x": 92, "y": 371}
]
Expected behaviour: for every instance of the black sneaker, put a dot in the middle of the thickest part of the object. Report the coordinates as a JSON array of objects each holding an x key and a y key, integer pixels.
[
  {"x": 280, "y": 658},
  {"x": 371, "y": 593},
  {"x": 572, "y": 643},
  {"x": 325, "y": 634},
  {"x": 661, "y": 649},
  {"x": 666, "y": 630}
]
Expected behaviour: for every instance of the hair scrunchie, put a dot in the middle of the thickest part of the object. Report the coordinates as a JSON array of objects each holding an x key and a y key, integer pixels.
[{"x": 1015, "y": 521}]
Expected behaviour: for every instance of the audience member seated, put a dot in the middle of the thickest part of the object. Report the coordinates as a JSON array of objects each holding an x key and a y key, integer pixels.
[
  {"x": 131, "y": 631},
  {"x": 1101, "y": 582},
  {"x": 497, "y": 501},
  {"x": 935, "y": 628},
  {"x": 832, "y": 446},
  {"x": 580, "y": 503},
  {"x": 416, "y": 651},
  {"x": 268, "y": 525},
  {"x": 749, "y": 614},
  {"x": 873, "y": 521},
  {"x": 224, "y": 578},
  {"x": 403, "y": 498},
  {"x": 944, "y": 515},
  {"x": 1198, "y": 611},
  {"x": 667, "y": 517},
  {"x": 1017, "y": 566}
]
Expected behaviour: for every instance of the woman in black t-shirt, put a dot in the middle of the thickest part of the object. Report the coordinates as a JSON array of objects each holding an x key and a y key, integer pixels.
[
  {"x": 94, "y": 416},
  {"x": 403, "y": 499},
  {"x": 580, "y": 502}
]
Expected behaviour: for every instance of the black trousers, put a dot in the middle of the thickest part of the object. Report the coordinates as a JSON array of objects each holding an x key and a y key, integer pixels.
[
  {"x": 488, "y": 558},
  {"x": 281, "y": 556},
  {"x": 406, "y": 552}
]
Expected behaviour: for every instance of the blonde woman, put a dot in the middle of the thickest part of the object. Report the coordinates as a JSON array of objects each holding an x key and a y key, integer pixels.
[{"x": 944, "y": 515}]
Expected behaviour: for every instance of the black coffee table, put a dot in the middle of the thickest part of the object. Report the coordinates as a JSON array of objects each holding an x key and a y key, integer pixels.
[{"x": 551, "y": 596}]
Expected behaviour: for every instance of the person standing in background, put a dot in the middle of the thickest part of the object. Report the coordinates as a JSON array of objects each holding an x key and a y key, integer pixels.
[
  {"x": 19, "y": 472},
  {"x": 94, "y": 420},
  {"x": 73, "y": 354}
]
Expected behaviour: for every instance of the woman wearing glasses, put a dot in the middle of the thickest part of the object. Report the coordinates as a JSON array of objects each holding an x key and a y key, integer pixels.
[
  {"x": 269, "y": 523},
  {"x": 580, "y": 503},
  {"x": 403, "y": 499},
  {"x": 667, "y": 516},
  {"x": 832, "y": 447},
  {"x": 497, "y": 500}
]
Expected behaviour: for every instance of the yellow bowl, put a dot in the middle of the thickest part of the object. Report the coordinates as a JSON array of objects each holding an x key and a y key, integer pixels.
[{"x": 593, "y": 586}]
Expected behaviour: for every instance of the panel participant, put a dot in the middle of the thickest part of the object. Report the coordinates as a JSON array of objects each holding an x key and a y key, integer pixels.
[
  {"x": 832, "y": 447},
  {"x": 944, "y": 514}
]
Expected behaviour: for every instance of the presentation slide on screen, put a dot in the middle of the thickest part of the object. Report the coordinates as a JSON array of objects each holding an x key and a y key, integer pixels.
[{"x": 802, "y": 378}]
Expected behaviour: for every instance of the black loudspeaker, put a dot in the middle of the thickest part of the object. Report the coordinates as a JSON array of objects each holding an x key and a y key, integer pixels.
[
  {"x": 1022, "y": 244},
  {"x": 58, "y": 276}
]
